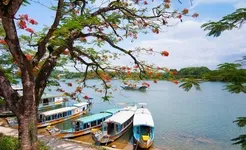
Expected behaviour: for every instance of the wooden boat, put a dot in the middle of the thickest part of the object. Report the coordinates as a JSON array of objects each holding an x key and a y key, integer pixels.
[
  {"x": 115, "y": 126},
  {"x": 55, "y": 116},
  {"x": 143, "y": 128},
  {"x": 134, "y": 87},
  {"x": 85, "y": 125}
]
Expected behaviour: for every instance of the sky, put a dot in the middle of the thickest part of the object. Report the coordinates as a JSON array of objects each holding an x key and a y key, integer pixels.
[{"x": 186, "y": 42}]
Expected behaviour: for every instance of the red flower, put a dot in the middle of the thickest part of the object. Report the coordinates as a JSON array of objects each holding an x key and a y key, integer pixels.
[
  {"x": 83, "y": 39},
  {"x": 24, "y": 17},
  {"x": 29, "y": 30},
  {"x": 175, "y": 82},
  {"x": 155, "y": 81},
  {"x": 3, "y": 42},
  {"x": 123, "y": 68},
  {"x": 66, "y": 52},
  {"x": 175, "y": 73},
  {"x": 179, "y": 16},
  {"x": 185, "y": 11},
  {"x": 145, "y": 3},
  {"x": 167, "y": 1},
  {"x": 136, "y": 66},
  {"x": 158, "y": 68},
  {"x": 69, "y": 84},
  {"x": 28, "y": 57},
  {"x": 22, "y": 24},
  {"x": 164, "y": 53},
  {"x": 33, "y": 21}
]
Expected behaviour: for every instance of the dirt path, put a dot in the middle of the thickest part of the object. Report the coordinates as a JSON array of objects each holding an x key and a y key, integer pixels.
[{"x": 54, "y": 143}]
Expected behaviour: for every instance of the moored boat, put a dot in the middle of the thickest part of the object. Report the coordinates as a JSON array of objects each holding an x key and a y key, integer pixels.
[
  {"x": 143, "y": 128},
  {"x": 115, "y": 126},
  {"x": 85, "y": 125},
  {"x": 55, "y": 116}
]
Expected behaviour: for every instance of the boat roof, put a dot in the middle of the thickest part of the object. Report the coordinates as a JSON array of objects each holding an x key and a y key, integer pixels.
[
  {"x": 130, "y": 108},
  {"x": 93, "y": 117},
  {"x": 80, "y": 104},
  {"x": 112, "y": 111},
  {"x": 120, "y": 117},
  {"x": 56, "y": 111},
  {"x": 143, "y": 116},
  {"x": 50, "y": 96}
]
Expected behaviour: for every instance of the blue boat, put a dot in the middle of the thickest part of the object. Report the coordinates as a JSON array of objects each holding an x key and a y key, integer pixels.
[
  {"x": 143, "y": 128},
  {"x": 85, "y": 125}
]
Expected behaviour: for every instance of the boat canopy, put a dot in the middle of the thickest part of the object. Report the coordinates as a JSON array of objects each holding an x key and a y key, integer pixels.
[
  {"x": 56, "y": 111},
  {"x": 44, "y": 96},
  {"x": 112, "y": 111},
  {"x": 121, "y": 117},
  {"x": 94, "y": 117},
  {"x": 143, "y": 117},
  {"x": 81, "y": 104}
]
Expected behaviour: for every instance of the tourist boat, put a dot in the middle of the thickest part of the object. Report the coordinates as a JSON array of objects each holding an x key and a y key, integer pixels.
[
  {"x": 49, "y": 100},
  {"x": 55, "y": 116},
  {"x": 115, "y": 126},
  {"x": 143, "y": 128},
  {"x": 85, "y": 125}
]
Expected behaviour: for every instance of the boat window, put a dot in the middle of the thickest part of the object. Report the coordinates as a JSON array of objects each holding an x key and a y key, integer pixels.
[
  {"x": 99, "y": 121},
  {"x": 83, "y": 108},
  {"x": 48, "y": 118},
  {"x": 85, "y": 126},
  {"x": 93, "y": 123},
  {"x": 69, "y": 113},
  {"x": 45, "y": 101},
  {"x": 55, "y": 116},
  {"x": 59, "y": 115}
]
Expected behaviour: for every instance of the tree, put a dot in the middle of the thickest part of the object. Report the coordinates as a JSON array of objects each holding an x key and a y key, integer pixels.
[
  {"x": 78, "y": 26},
  {"x": 229, "y": 71}
]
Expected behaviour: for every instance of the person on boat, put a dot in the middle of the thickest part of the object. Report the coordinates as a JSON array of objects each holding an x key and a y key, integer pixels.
[{"x": 86, "y": 97}]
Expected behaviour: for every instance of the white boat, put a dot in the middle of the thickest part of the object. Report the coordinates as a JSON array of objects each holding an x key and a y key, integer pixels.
[
  {"x": 115, "y": 126},
  {"x": 49, "y": 100},
  {"x": 143, "y": 128},
  {"x": 55, "y": 116}
]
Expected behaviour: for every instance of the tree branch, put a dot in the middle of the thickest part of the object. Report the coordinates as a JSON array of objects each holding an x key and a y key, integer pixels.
[
  {"x": 8, "y": 93},
  {"x": 44, "y": 41}
]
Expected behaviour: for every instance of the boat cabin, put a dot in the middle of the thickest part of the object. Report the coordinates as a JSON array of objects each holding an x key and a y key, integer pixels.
[
  {"x": 62, "y": 112},
  {"x": 90, "y": 121},
  {"x": 50, "y": 100},
  {"x": 117, "y": 123}
]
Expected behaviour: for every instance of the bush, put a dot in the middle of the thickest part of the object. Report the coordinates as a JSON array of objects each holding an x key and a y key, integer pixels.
[{"x": 11, "y": 143}]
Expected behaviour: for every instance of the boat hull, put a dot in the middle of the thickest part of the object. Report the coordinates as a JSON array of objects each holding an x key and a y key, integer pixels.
[
  {"x": 74, "y": 134},
  {"x": 108, "y": 139},
  {"x": 42, "y": 125},
  {"x": 143, "y": 144}
]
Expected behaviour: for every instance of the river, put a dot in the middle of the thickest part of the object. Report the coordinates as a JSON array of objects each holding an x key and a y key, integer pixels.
[{"x": 194, "y": 120}]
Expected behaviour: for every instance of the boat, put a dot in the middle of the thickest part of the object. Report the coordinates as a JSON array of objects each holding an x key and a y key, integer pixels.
[
  {"x": 85, "y": 125},
  {"x": 133, "y": 86},
  {"x": 143, "y": 128},
  {"x": 49, "y": 100},
  {"x": 55, "y": 116},
  {"x": 115, "y": 126}
]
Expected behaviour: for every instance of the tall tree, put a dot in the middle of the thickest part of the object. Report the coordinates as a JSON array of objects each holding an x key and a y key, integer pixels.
[
  {"x": 228, "y": 71},
  {"x": 78, "y": 25}
]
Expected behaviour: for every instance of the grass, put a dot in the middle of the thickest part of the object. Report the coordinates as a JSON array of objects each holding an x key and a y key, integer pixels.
[{"x": 12, "y": 143}]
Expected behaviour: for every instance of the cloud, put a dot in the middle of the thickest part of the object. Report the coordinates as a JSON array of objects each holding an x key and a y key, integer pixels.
[
  {"x": 188, "y": 45},
  {"x": 200, "y": 2},
  {"x": 240, "y": 5}
]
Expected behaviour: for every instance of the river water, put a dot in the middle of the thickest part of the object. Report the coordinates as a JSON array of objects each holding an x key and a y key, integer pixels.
[{"x": 194, "y": 120}]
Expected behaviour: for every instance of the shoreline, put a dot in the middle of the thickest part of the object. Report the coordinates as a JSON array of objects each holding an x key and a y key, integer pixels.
[{"x": 56, "y": 143}]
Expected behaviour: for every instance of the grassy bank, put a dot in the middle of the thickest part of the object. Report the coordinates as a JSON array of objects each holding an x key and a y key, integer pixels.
[{"x": 12, "y": 143}]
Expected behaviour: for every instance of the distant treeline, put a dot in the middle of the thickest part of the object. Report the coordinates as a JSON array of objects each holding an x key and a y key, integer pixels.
[{"x": 202, "y": 73}]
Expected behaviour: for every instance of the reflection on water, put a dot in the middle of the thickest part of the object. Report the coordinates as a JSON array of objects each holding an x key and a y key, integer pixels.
[{"x": 183, "y": 120}]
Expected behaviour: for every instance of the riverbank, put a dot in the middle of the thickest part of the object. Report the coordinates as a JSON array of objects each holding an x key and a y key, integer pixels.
[{"x": 54, "y": 143}]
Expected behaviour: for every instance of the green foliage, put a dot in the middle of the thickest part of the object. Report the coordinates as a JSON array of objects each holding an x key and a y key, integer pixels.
[
  {"x": 192, "y": 72},
  {"x": 11, "y": 143},
  {"x": 241, "y": 121},
  {"x": 187, "y": 84},
  {"x": 229, "y": 22},
  {"x": 241, "y": 139}
]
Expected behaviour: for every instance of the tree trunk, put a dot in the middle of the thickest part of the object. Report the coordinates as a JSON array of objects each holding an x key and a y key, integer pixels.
[{"x": 28, "y": 129}]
